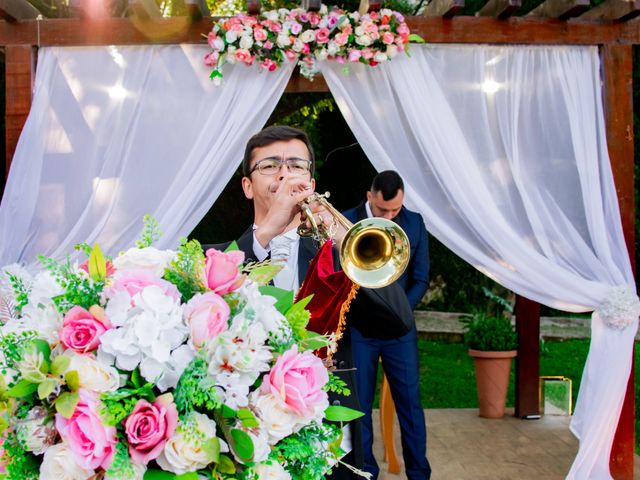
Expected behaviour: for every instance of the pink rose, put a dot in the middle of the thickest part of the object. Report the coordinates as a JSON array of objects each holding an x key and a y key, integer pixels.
[
  {"x": 297, "y": 379},
  {"x": 387, "y": 38},
  {"x": 260, "y": 34},
  {"x": 341, "y": 39},
  {"x": 221, "y": 271},
  {"x": 149, "y": 427},
  {"x": 403, "y": 29},
  {"x": 81, "y": 330},
  {"x": 268, "y": 45},
  {"x": 243, "y": 55},
  {"x": 91, "y": 442},
  {"x": 134, "y": 282},
  {"x": 314, "y": 18},
  {"x": 367, "y": 53},
  {"x": 269, "y": 64},
  {"x": 207, "y": 315},
  {"x": 296, "y": 28},
  {"x": 291, "y": 55},
  {"x": 322, "y": 35},
  {"x": 211, "y": 59},
  {"x": 354, "y": 55}
]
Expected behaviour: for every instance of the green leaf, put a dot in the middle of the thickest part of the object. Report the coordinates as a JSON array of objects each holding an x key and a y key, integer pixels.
[
  {"x": 73, "y": 380},
  {"x": 46, "y": 387},
  {"x": 135, "y": 378},
  {"x": 336, "y": 413},
  {"x": 241, "y": 444},
  {"x": 60, "y": 365},
  {"x": 158, "y": 475},
  {"x": 263, "y": 274},
  {"x": 228, "y": 412},
  {"x": 226, "y": 465},
  {"x": 247, "y": 418},
  {"x": 41, "y": 346},
  {"x": 66, "y": 404},
  {"x": 284, "y": 298},
  {"x": 415, "y": 38},
  {"x": 187, "y": 476},
  {"x": 233, "y": 245},
  {"x": 314, "y": 342},
  {"x": 23, "y": 388},
  {"x": 212, "y": 448},
  {"x": 97, "y": 264}
]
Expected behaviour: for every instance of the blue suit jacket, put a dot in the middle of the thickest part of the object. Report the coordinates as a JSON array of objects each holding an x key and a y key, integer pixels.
[{"x": 415, "y": 279}]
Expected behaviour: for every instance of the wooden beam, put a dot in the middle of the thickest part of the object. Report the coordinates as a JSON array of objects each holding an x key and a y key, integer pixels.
[
  {"x": 618, "y": 102},
  {"x": 527, "y": 388},
  {"x": 621, "y": 10},
  {"x": 299, "y": 84},
  {"x": 443, "y": 8},
  {"x": 459, "y": 29},
  {"x": 499, "y": 8},
  {"x": 15, "y": 10},
  {"x": 560, "y": 9},
  {"x": 19, "y": 76}
]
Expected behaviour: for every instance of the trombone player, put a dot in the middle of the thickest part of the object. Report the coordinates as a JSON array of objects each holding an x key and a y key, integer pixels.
[{"x": 278, "y": 168}]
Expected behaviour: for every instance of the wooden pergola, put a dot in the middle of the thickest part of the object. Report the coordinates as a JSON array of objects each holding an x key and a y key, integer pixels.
[{"x": 610, "y": 26}]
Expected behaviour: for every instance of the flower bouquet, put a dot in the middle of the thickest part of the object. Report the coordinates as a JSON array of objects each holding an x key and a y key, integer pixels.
[
  {"x": 272, "y": 37},
  {"x": 161, "y": 364}
]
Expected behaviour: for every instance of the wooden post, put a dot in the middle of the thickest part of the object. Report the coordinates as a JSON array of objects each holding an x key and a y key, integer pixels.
[
  {"x": 617, "y": 64},
  {"x": 19, "y": 65},
  {"x": 527, "y": 404}
]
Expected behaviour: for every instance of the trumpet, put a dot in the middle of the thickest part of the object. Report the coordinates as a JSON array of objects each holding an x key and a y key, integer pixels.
[{"x": 374, "y": 251}]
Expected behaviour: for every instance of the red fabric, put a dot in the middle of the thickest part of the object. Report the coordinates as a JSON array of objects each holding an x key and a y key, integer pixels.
[{"x": 330, "y": 290}]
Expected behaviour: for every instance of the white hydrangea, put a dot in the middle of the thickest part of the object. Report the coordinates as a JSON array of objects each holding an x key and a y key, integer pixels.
[
  {"x": 621, "y": 308},
  {"x": 261, "y": 308}
]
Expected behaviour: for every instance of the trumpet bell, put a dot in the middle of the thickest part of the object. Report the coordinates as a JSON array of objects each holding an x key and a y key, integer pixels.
[{"x": 374, "y": 252}]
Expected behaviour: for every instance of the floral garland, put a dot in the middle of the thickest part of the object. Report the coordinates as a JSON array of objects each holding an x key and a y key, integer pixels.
[
  {"x": 161, "y": 364},
  {"x": 307, "y": 37}
]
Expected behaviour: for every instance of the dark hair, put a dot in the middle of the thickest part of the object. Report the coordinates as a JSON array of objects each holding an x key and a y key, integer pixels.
[
  {"x": 273, "y": 134},
  {"x": 388, "y": 183}
]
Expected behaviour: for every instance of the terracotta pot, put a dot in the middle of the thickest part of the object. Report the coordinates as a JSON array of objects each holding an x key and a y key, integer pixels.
[{"x": 492, "y": 379}]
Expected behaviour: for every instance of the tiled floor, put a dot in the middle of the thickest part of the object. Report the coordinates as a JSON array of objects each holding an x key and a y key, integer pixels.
[{"x": 463, "y": 446}]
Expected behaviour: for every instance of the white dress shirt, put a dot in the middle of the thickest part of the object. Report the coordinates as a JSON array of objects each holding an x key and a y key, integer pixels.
[{"x": 287, "y": 278}]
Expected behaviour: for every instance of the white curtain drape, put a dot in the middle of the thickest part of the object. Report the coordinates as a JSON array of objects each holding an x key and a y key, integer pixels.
[
  {"x": 115, "y": 133},
  {"x": 503, "y": 152}
]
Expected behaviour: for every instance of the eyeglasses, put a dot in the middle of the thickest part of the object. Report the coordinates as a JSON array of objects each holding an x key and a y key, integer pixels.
[{"x": 272, "y": 165}]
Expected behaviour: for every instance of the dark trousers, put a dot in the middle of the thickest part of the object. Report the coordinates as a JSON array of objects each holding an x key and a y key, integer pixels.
[{"x": 400, "y": 362}]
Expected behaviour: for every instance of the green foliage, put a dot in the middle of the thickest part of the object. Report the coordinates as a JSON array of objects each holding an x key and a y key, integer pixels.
[
  {"x": 150, "y": 232},
  {"x": 78, "y": 289},
  {"x": 490, "y": 333},
  {"x": 185, "y": 271},
  {"x": 20, "y": 291},
  {"x": 12, "y": 346},
  {"x": 298, "y": 318},
  {"x": 196, "y": 388},
  {"x": 83, "y": 247},
  {"x": 21, "y": 465},
  {"x": 121, "y": 467},
  {"x": 337, "y": 385},
  {"x": 117, "y": 405},
  {"x": 301, "y": 454},
  {"x": 338, "y": 413}
]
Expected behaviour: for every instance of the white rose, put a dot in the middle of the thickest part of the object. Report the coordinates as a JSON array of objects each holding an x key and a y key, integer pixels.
[
  {"x": 308, "y": 36},
  {"x": 231, "y": 36},
  {"x": 283, "y": 40},
  {"x": 148, "y": 259},
  {"x": 364, "y": 40},
  {"x": 380, "y": 57},
  {"x": 277, "y": 420},
  {"x": 359, "y": 31},
  {"x": 322, "y": 54},
  {"x": 185, "y": 454},
  {"x": 92, "y": 374},
  {"x": 218, "y": 44},
  {"x": 332, "y": 48},
  {"x": 58, "y": 464},
  {"x": 271, "y": 15},
  {"x": 246, "y": 42},
  {"x": 392, "y": 51},
  {"x": 274, "y": 471}
]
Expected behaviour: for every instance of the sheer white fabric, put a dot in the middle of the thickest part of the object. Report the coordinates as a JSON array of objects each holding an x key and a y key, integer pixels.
[
  {"x": 115, "y": 133},
  {"x": 503, "y": 152}
]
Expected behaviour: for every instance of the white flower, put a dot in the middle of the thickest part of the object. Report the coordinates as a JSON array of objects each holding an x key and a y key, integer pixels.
[
  {"x": 392, "y": 51},
  {"x": 359, "y": 31},
  {"x": 246, "y": 42},
  {"x": 58, "y": 464},
  {"x": 35, "y": 432},
  {"x": 92, "y": 374},
  {"x": 231, "y": 36},
  {"x": 272, "y": 471},
  {"x": 260, "y": 439},
  {"x": 148, "y": 259},
  {"x": 171, "y": 370},
  {"x": 364, "y": 40},
  {"x": 43, "y": 317},
  {"x": 380, "y": 57},
  {"x": 308, "y": 36},
  {"x": 322, "y": 54},
  {"x": 332, "y": 48},
  {"x": 278, "y": 420},
  {"x": 44, "y": 288},
  {"x": 218, "y": 44},
  {"x": 283, "y": 40},
  {"x": 138, "y": 473},
  {"x": 232, "y": 389},
  {"x": 621, "y": 308},
  {"x": 118, "y": 307},
  {"x": 271, "y": 15},
  {"x": 185, "y": 453},
  {"x": 261, "y": 308}
]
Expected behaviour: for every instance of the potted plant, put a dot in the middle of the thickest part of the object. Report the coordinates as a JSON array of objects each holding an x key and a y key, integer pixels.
[{"x": 492, "y": 343}]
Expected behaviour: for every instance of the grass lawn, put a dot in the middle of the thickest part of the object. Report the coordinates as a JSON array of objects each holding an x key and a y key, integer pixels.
[{"x": 448, "y": 381}]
